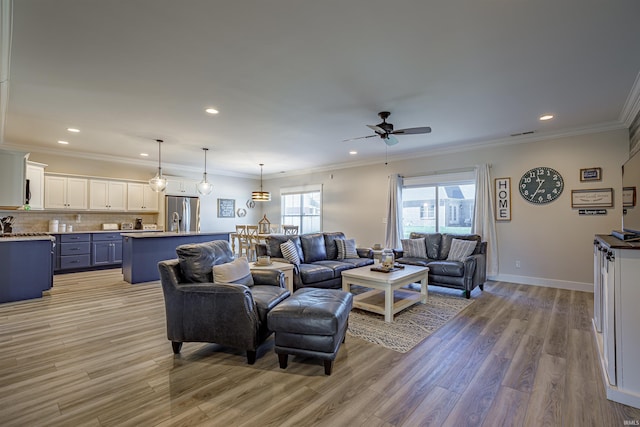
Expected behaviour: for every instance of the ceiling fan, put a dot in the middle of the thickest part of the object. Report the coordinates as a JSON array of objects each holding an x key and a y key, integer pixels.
[{"x": 385, "y": 130}]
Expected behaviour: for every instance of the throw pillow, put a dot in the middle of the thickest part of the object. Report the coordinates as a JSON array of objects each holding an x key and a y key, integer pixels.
[
  {"x": 346, "y": 248},
  {"x": 289, "y": 252},
  {"x": 196, "y": 259},
  {"x": 236, "y": 271},
  {"x": 460, "y": 249},
  {"x": 414, "y": 248}
]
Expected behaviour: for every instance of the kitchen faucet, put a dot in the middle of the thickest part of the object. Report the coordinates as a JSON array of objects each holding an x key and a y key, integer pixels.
[{"x": 175, "y": 222}]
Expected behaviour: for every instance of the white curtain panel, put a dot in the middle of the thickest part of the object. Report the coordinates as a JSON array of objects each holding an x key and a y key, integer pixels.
[
  {"x": 394, "y": 213},
  {"x": 484, "y": 222}
]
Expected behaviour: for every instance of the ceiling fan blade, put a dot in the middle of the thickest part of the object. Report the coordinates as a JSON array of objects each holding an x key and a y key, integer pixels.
[
  {"x": 412, "y": 131},
  {"x": 391, "y": 140},
  {"x": 377, "y": 129},
  {"x": 360, "y": 137}
]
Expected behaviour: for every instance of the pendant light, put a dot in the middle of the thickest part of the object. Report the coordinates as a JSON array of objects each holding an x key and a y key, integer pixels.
[
  {"x": 158, "y": 182},
  {"x": 261, "y": 196},
  {"x": 204, "y": 186}
]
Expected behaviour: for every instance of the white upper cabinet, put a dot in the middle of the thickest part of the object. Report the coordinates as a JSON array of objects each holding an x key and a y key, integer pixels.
[
  {"x": 65, "y": 192},
  {"x": 35, "y": 175},
  {"x": 107, "y": 195},
  {"x": 140, "y": 197},
  {"x": 12, "y": 176},
  {"x": 181, "y": 187}
]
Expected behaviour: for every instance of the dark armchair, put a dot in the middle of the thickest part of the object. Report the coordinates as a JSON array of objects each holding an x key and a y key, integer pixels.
[{"x": 230, "y": 314}]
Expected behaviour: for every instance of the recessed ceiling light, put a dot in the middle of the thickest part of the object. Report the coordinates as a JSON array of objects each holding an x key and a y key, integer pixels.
[
  {"x": 74, "y": 130},
  {"x": 353, "y": 152},
  {"x": 144, "y": 154},
  {"x": 546, "y": 117},
  {"x": 63, "y": 142},
  {"x": 211, "y": 111}
]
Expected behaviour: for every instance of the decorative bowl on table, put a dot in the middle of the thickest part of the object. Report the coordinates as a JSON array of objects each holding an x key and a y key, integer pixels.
[{"x": 263, "y": 260}]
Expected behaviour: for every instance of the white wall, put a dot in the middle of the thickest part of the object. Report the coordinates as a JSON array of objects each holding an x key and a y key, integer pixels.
[
  {"x": 225, "y": 187},
  {"x": 552, "y": 242}
]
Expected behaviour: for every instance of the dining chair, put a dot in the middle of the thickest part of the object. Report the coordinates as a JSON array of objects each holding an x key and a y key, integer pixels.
[
  {"x": 244, "y": 245},
  {"x": 275, "y": 228},
  {"x": 252, "y": 238},
  {"x": 290, "y": 230}
]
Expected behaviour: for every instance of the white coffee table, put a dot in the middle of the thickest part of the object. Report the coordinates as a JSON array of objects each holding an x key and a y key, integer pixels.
[
  {"x": 286, "y": 268},
  {"x": 387, "y": 283}
]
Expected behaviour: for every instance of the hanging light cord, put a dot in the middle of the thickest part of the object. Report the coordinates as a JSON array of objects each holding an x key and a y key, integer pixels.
[
  {"x": 205, "y": 161},
  {"x": 159, "y": 141}
]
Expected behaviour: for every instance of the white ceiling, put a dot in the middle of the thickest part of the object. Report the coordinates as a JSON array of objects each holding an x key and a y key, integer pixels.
[{"x": 294, "y": 78}]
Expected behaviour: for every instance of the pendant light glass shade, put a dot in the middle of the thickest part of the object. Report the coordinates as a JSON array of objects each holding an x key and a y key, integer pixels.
[
  {"x": 158, "y": 183},
  {"x": 261, "y": 196},
  {"x": 204, "y": 186}
]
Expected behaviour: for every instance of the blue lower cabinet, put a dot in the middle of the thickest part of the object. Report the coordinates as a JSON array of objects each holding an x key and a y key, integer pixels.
[
  {"x": 141, "y": 253},
  {"x": 105, "y": 253},
  {"x": 26, "y": 269},
  {"x": 84, "y": 251},
  {"x": 74, "y": 261},
  {"x": 74, "y": 251}
]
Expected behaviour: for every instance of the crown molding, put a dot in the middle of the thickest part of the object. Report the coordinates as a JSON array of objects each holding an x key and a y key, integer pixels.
[
  {"x": 459, "y": 147},
  {"x": 121, "y": 160},
  {"x": 631, "y": 107},
  {"x": 441, "y": 149}
]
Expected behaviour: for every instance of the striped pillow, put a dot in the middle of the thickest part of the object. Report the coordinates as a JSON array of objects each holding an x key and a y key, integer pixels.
[
  {"x": 346, "y": 248},
  {"x": 460, "y": 249},
  {"x": 289, "y": 252},
  {"x": 414, "y": 248}
]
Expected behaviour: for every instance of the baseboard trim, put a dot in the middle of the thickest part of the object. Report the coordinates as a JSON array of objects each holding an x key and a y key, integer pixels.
[{"x": 539, "y": 281}]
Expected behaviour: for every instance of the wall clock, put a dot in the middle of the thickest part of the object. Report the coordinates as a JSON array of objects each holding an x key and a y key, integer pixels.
[{"x": 541, "y": 185}]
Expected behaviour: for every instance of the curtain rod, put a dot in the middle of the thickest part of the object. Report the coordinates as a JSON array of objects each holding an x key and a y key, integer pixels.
[{"x": 442, "y": 172}]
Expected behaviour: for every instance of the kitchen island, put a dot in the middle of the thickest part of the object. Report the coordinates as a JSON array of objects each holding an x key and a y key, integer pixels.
[
  {"x": 26, "y": 267},
  {"x": 141, "y": 252}
]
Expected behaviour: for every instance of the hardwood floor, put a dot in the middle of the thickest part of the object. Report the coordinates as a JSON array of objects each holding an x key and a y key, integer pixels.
[{"x": 94, "y": 352}]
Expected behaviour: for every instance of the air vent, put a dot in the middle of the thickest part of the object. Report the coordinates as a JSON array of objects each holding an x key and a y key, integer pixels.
[{"x": 523, "y": 133}]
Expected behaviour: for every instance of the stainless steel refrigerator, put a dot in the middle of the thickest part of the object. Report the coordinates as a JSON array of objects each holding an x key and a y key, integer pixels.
[{"x": 182, "y": 213}]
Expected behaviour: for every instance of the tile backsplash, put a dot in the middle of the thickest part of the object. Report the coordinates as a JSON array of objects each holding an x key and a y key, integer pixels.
[{"x": 38, "y": 221}]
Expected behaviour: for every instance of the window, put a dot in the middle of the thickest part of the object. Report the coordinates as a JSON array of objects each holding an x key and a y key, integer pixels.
[
  {"x": 438, "y": 203},
  {"x": 428, "y": 211},
  {"x": 302, "y": 206}
]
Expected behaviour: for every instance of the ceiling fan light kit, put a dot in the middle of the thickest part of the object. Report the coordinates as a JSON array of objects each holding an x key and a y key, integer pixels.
[
  {"x": 261, "y": 196},
  {"x": 158, "y": 183},
  {"x": 204, "y": 186},
  {"x": 385, "y": 130}
]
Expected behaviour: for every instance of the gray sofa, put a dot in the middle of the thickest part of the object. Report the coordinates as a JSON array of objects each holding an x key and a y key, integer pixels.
[
  {"x": 319, "y": 266},
  {"x": 464, "y": 275},
  {"x": 229, "y": 314}
]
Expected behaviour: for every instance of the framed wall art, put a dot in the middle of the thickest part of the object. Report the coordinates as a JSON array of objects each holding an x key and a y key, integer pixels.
[
  {"x": 591, "y": 174},
  {"x": 503, "y": 199},
  {"x": 628, "y": 197},
  {"x": 594, "y": 198},
  {"x": 226, "y": 208}
]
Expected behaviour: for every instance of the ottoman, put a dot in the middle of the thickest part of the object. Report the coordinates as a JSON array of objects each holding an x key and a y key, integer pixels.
[{"x": 312, "y": 323}]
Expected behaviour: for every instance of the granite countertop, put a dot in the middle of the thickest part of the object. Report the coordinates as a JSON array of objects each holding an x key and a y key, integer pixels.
[
  {"x": 155, "y": 234},
  {"x": 51, "y": 235},
  {"x": 103, "y": 231},
  {"x": 615, "y": 243},
  {"x": 25, "y": 238}
]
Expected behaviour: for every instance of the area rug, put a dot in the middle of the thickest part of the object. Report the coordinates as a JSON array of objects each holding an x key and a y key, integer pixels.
[{"x": 411, "y": 326}]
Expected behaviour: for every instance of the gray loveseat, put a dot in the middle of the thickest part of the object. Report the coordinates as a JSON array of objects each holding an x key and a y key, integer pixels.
[
  {"x": 319, "y": 264},
  {"x": 465, "y": 274}
]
